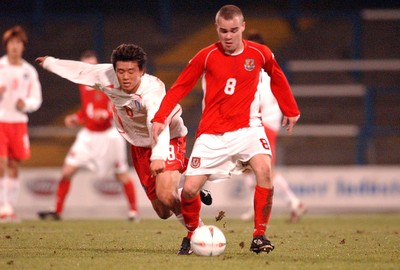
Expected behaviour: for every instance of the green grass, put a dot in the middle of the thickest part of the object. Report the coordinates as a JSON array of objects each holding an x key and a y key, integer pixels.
[{"x": 327, "y": 242}]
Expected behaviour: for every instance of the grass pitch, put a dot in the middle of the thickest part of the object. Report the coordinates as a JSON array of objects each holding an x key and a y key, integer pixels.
[{"x": 324, "y": 242}]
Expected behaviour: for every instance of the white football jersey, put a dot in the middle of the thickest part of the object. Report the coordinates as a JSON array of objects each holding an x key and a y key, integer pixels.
[
  {"x": 271, "y": 114},
  {"x": 132, "y": 112},
  {"x": 20, "y": 82}
]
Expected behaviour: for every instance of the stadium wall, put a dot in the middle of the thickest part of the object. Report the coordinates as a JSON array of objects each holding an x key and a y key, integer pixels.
[{"x": 324, "y": 190}]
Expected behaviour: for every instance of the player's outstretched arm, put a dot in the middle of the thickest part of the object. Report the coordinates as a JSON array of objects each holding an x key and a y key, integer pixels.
[
  {"x": 156, "y": 129},
  {"x": 290, "y": 122},
  {"x": 40, "y": 60}
]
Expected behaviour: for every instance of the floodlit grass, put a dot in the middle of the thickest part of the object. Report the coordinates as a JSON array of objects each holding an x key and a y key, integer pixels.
[{"x": 328, "y": 242}]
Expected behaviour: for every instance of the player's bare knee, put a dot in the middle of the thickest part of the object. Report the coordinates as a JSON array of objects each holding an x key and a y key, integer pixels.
[
  {"x": 168, "y": 199},
  {"x": 190, "y": 193},
  {"x": 163, "y": 213}
]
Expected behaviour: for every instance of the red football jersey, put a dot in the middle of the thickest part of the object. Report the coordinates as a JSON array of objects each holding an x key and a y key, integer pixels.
[
  {"x": 229, "y": 86},
  {"x": 94, "y": 102}
]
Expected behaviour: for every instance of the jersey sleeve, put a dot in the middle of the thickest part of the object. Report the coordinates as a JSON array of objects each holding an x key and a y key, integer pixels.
[
  {"x": 152, "y": 101},
  {"x": 182, "y": 86},
  {"x": 34, "y": 99},
  {"x": 80, "y": 72},
  {"x": 280, "y": 85}
]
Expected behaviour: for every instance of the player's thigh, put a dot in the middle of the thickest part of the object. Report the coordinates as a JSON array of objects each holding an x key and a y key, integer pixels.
[
  {"x": 209, "y": 156},
  {"x": 18, "y": 146},
  {"x": 141, "y": 163},
  {"x": 249, "y": 142},
  {"x": 168, "y": 181}
]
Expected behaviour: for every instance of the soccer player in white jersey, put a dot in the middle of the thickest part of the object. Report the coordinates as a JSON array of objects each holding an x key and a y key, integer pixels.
[
  {"x": 271, "y": 118},
  {"x": 136, "y": 97},
  {"x": 96, "y": 116},
  {"x": 20, "y": 94},
  {"x": 230, "y": 131}
]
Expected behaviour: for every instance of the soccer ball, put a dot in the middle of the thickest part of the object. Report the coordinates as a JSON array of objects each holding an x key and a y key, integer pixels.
[{"x": 208, "y": 240}]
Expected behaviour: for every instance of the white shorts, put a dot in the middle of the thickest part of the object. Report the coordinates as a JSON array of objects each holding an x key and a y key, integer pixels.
[
  {"x": 222, "y": 155},
  {"x": 102, "y": 152}
]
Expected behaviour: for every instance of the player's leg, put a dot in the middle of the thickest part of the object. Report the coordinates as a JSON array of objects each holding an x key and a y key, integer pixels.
[
  {"x": 141, "y": 163},
  {"x": 3, "y": 164},
  {"x": 263, "y": 196},
  {"x": 129, "y": 190},
  {"x": 190, "y": 201},
  {"x": 167, "y": 189},
  {"x": 190, "y": 207},
  {"x": 68, "y": 171},
  {"x": 253, "y": 148},
  {"x": 297, "y": 208},
  {"x": 18, "y": 150},
  {"x": 3, "y": 160},
  {"x": 115, "y": 158},
  {"x": 11, "y": 187}
]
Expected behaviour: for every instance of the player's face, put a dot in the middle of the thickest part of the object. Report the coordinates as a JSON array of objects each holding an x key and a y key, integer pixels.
[
  {"x": 230, "y": 33},
  {"x": 129, "y": 75},
  {"x": 15, "y": 47}
]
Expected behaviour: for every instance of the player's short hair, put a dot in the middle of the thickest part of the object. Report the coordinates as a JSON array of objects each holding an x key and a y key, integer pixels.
[
  {"x": 16, "y": 31},
  {"x": 254, "y": 35},
  {"x": 228, "y": 12},
  {"x": 88, "y": 54},
  {"x": 129, "y": 52}
]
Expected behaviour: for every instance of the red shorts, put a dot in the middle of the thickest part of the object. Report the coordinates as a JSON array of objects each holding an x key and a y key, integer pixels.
[
  {"x": 141, "y": 162},
  {"x": 271, "y": 135},
  {"x": 14, "y": 141}
]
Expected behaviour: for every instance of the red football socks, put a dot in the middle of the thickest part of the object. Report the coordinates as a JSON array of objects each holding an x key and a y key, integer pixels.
[
  {"x": 191, "y": 212},
  {"x": 262, "y": 209},
  {"x": 130, "y": 194},
  {"x": 62, "y": 191}
]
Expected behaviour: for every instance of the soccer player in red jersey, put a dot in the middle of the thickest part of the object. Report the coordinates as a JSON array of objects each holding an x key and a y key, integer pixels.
[
  {"x": 230, "y": 131},
  {"x": 20, "y": 94},
  {"x": 95, "y": 115}
]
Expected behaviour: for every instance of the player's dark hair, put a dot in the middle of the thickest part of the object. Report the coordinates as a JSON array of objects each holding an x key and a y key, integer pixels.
[
  {"x": 255, "y": 36},
  {"x": 129, "y": 52},
  {"x": 88, "y": 54},
  {"x": 228, "y": 12},
  {"x": 16, "y": 31}
]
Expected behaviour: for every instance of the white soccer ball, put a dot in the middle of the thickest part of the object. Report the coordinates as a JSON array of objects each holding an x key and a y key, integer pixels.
[{"x": 208, "y": 240}]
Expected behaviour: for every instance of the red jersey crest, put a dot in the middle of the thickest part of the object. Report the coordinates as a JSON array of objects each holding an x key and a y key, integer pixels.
[
  {"x": 249, "y": 64},
  {"x": 195, "y": 163}
]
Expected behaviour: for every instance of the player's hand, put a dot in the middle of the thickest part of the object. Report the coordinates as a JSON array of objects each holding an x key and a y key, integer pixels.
[
  {"x": 71, "y": 121},
  {"x": 157, "y": 166},
  {"x": 20, "y": 104},
  {"x": 290, "y": 122},
  {"x": 156, "y": 129},
  {"x": 40, "y": 60}
]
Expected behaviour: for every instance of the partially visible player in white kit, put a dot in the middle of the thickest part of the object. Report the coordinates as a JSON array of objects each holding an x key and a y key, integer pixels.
[
  {"x": 271, "y": 116},
  {"x": 98, "y": 147},
  {"x": 230, "y": 131},
  {"x": 20, "y": 94},
  {"x": 136, "y": 97}
]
